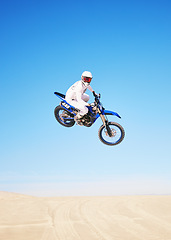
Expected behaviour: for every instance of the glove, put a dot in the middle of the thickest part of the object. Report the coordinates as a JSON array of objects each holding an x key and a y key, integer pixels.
[{"x": 96, "y": 95}]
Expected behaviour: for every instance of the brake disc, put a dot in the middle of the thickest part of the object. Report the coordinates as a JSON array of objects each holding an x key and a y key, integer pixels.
[{"x": 113, "y": 131}]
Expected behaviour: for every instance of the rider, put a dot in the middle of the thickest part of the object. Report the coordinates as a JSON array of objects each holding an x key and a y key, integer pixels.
[{"x": 76, "y": 95}]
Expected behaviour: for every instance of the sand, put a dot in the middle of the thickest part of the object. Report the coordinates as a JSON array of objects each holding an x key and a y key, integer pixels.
[{"x": 84, "y": 218}]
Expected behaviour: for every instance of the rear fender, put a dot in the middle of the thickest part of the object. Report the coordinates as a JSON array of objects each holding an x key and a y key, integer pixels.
[
  {"x": 60, "y": 95},
  {"x": 65, "y": 105},
  {"x": 106, "y": 112}
]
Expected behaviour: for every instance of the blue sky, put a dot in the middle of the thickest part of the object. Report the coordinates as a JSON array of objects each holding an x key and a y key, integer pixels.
[{"x": 44, "y": 47}]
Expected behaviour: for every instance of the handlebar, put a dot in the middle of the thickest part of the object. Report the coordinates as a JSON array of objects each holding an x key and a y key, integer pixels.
[{"x": 96, "y": 95}]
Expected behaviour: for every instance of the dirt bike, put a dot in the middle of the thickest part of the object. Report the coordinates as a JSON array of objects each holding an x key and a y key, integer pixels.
[{"x": 110, "y": 133}]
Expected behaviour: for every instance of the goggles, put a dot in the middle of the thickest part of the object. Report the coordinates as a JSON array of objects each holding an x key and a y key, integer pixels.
[{"x": 87, "y": 79}]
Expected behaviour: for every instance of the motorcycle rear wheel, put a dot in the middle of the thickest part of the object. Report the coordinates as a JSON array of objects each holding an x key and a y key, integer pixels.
[
  {"x": 117, "y": 131},
  {"x": 63, "y": 117}
]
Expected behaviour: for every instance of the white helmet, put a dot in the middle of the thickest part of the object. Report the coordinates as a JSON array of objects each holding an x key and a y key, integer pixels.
[{"x": 86, "y": 76}]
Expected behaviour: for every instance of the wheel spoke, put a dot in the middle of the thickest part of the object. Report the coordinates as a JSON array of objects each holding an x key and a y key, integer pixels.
[
  {"x": 116, "y": 136},
  {"x": 63, "y": 117}
]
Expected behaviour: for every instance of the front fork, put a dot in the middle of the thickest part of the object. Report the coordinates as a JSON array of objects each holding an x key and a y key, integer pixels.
[{"x": 105, "y": 123}]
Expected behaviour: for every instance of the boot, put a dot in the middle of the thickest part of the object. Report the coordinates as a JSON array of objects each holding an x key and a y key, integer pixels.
[{"x": 78, "y": 118}]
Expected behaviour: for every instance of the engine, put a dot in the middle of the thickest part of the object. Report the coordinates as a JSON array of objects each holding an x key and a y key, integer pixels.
[{"x": 88, "y": 120}]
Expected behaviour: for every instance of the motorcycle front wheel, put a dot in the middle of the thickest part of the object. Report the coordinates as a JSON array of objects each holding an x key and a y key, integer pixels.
[
  {"x": 116, "y": 136},
  {"x": 63, "y": 117}
]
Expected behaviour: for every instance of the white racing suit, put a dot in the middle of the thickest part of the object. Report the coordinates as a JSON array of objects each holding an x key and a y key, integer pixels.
[{"x": 77, "y": 97}]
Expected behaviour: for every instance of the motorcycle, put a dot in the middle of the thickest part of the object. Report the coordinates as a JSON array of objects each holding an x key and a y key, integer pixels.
[{"x": 110, "y": 133}]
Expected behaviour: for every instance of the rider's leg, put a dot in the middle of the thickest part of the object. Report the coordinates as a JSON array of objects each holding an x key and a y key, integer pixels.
[
  {"x": 81, "y": 106},
  {"x": 85, "y": 97}
]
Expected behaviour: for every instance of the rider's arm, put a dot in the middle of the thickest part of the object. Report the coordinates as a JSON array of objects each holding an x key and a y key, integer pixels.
[{"x": 90, "y": 88}]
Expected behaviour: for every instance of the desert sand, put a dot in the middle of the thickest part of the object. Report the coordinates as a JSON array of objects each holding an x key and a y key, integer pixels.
[{"x": 84, "y": 218}]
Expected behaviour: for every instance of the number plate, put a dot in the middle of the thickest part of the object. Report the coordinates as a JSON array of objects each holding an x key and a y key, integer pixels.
[{"x": 65, "y": 105}]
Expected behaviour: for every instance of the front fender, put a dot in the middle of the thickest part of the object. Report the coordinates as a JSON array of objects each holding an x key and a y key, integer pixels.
[{"x": 107, "y": 112}]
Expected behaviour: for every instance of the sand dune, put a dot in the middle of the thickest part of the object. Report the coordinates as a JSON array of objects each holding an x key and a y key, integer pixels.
[{"x": 85, "y": 218}]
